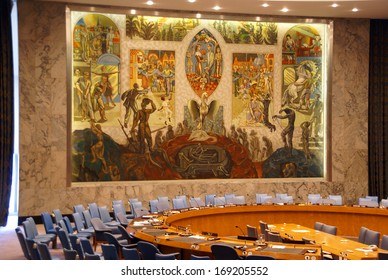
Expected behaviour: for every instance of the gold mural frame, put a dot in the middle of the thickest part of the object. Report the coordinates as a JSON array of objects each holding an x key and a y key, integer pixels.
[{"x": 211, "y": 16}]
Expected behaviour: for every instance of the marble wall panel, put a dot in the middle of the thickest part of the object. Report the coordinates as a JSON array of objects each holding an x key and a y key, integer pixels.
[{"x": 43, "y": 125}]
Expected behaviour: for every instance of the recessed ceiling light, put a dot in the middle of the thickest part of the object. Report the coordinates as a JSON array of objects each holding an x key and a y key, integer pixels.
[
  {"x": 150, "y": 3},
  {"x": 191, "y": 1},
  {"x": 133, "y": 12},
  {"x": 265, "y": 5},
  {"x": 334, "y": 5},
  {"x": 217, "y": 8},
  {"x": 198, "y": 15},
  {"x": 354, "y": 10},
  {"x": 284, "y": 10}
]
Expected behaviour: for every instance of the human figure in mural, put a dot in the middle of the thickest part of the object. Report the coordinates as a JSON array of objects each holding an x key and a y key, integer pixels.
[
  {"x": 130, "y": 101},
  {"x": 254, "y": 114},
  {"x": 316, "y": 45},
  {"x": 266, "y": 102},
  {"x": 316, "y": 115},
  {"x": 168, "y": 75},
  {"x": 254, "y": 145},
  {"x": 210, "y": 56},
  {"x": 158, "y": 139},
  {"x": 141, "y": 120},
  {"x": 288, "y": 131},
  {"x": 98, "y": 148},
  {"x": 84, "y": 86},
  {"x": 189, "y": 63},
  {"x": 165, "y": 108},
  {"x": 109, "y": 39},
  {"x": 106, "y": 86},
  {"x": 218, "y": 62},
  {"x": 289, "y": 44},
  {"x": 78, "y": 93},
  {"x": 267, "y": 148},
  {"x": 170, "y": 133},
  {"x": 305, "y": 126},
  {"x": 199, "y": 59},
  {"x": 84, "y": 42},
  {"x": 99, "y": 103},
  {"x": 289, "y": 170}
]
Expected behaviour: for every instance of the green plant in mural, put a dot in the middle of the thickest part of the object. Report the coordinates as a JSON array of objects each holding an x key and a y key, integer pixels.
[
  {"x": 147, "y": 29},
  {"x": 272, "y": 31},
  {"x": 132, "y": 26}
]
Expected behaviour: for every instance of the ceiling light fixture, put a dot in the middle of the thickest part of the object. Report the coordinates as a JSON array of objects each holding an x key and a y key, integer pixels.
[
  {"x": 334, "y": 5},
  {"x": 133, "y": 12},
  {"x": 191, "y": 1},
  {"x": 150, "y": 3},
  {"x": 354, "y": 10},
  {"x": 217, "y": 8},
  {"x": 284, "y": 10},
  {"x": 198, "y": 15},
  {"x": 265, "y": 5}
]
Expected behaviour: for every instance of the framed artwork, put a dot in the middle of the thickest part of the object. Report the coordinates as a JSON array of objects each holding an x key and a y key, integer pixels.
[{"x": 167, "y": 98}]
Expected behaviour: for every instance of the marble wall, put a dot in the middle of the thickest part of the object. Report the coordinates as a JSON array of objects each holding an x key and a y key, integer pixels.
[{"x": 44, "y": 135}]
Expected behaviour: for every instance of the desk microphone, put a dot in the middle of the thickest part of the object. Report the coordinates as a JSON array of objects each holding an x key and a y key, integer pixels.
[{"x": 243, "y": 235}]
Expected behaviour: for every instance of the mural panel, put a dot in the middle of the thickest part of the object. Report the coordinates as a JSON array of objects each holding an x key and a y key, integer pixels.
[{"x": 198, "y": 102}]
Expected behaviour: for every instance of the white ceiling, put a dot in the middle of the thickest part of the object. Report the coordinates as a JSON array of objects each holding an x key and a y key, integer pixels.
[{"x": 374, "y": 9}]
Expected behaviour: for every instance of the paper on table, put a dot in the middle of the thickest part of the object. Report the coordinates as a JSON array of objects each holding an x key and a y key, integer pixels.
[
  {"x": 278, "y": 246},
  {"x": 300, "y": 230},
  {"x": 367, "y": 250}
]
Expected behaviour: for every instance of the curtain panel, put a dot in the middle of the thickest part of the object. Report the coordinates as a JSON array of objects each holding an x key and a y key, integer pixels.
[
  {"x": 378, "y": 109},
  {"x": 6, "y": 109}
]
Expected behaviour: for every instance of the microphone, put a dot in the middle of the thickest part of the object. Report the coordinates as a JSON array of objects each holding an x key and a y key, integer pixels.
[{"x": 242, "y": 237}]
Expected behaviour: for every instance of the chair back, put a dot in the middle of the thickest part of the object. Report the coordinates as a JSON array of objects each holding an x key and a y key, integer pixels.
[
  {"x": 63, "y": 237},
  {"x": 33, "y": 226},
  {"x": 28, "y": 231},
  {"x": 196, "y": 202},
  {"x": 69, "y": 254},
  {"x": 32, "y": 249},
  {"x": 92, "y": 256},
  {"x": 44, "y": 251},
  {"x": 336, "y": 198},
  {"x": 372, "y": 237},
  {"x": 86, "y": 246},
  {"x": 122, "y": 219},
  {"x": 314, "y": 198},
  {"x": 219, "y": 201},
  {"x": 224, "y": 252},
  {"x": 199, "y": 258},
  {"x": 384, "y": 242},
  {"x": 68, "y": 225},
  {"x": 318, "y": 226},
  {"x": 229, "y": 198},
  {"x": 264, "y": 229},
  {"x": 76, "y": 245},
  {"x": 125, "y": 235},
  {"x": 109, "y": 252},
  {"x": 252, "y": 231},
  {"x": 163, "y": 205},
  {"x": 239, "y": 200},
  {"x": 57, "y": 216},
  {"x": 22, "y": 241},
  {"x": 209, "y": 199},
  {"x": 154, "y": 206},
  {"x": 274, "y": 237},
  {"x": 179, "y": 203},
  {"x": 373, "y": 197},
  {"x": 117, "y": 209},
  {"x": 79, "y": 224},
  {"x": 147, "y": 250},
  {"x": 87, "y": 218},
  {"x": 263, "y": 198},
  {"x": 141, "y": 211},
  {"x": 362, "y": 234},
  {"x": 133, "y": 204},
  {"x": 130, "y": 254},
  {"x": 93, "y": 209},
  {"x": 384, "y": 203},
  {"x": 329, "y": 229},
  {"x": 111, "y": 239},
  {"x": 160, "y": 256},
  {"x": 78, "y": 208},
  {"x": 368, "y": 202},
  {"x": 104, "y": 214},
  {"x": 184, "y": 200},
  {"x": 48, "y": 222}
]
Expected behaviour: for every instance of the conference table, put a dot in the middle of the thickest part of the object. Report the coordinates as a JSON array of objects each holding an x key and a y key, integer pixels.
[{"x": 193, "y": 231}]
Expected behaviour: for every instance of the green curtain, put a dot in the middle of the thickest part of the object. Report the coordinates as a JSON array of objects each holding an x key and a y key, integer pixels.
[
  {"x": 378, "y": 109},
  {"x": 6, "y": 109}
]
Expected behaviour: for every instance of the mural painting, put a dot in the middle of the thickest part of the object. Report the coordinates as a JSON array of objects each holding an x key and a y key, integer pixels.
[{"x": 229, "y": 115}]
